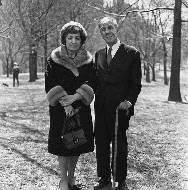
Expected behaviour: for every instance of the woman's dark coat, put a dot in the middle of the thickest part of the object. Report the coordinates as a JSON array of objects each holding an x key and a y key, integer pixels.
[{"x": 59, "y": 73}]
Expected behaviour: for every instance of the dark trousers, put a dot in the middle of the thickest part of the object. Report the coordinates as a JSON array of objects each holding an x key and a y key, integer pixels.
[
  {"x": 15, "y": 78},
  {"x": 104, "y": 135}
]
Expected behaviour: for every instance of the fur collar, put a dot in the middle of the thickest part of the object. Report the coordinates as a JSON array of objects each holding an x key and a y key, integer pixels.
[{"x": 59, "y": 56}]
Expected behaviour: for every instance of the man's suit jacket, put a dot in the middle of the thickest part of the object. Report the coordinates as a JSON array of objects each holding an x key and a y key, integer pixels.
[{"x": 121, "y": 80}]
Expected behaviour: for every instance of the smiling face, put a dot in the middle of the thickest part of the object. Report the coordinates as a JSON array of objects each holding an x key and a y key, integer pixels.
[
  {"x": 73, "y": 42},
  {"x": 109, "y": 33}
]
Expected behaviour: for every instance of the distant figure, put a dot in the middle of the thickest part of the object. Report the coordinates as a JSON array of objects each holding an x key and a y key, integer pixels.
[{"x": 16, "y": 71}]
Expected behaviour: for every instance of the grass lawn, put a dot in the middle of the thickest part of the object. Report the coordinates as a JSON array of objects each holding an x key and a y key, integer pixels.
[{"x": 158, "y": 140}]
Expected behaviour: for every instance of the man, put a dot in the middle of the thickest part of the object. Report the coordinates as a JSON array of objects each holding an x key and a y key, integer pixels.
[
  {"x": 118, "y": 84},
  {"x": 16, "y": 71}
]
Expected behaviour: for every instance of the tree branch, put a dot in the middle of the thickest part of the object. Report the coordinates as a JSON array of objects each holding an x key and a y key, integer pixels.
[
  {"x": 129, "y": 7},
  {"x": 5, "y": 30},
  {"x": 50, "y": 30},
  {"x": 6, "y": 37},
  {"x": 184, "y": 20},
  {"x": 133, "y": 11},
  {"x": 185, "y": 3},
  {"x": 122, "y": 20},
  {"x": 46, "y": 11}
]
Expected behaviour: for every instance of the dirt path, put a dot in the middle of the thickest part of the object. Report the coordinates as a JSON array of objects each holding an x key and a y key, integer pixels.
[{"x": 158, "y": 141}]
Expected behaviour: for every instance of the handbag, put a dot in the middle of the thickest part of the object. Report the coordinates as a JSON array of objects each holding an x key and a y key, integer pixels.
[{"x": 73, "y": 135}]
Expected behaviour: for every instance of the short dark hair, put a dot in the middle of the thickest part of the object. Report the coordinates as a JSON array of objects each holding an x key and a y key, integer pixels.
[{"x": 72, "y": 29}]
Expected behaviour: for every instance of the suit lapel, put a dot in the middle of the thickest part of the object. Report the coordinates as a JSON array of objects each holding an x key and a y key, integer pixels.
[
  {"x": 102, "y": 62},
  {"x": 121, "y": 50},
  {"x": 101, "y": 59}
]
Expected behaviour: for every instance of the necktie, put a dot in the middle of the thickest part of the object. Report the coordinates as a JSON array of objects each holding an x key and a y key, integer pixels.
[{"x": 109, "y": 55}]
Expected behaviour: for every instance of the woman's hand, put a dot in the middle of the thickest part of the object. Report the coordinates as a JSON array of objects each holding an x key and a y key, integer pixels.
[
  {"x": 69, "y": 99},
  {"x": 69, "y": 111}
]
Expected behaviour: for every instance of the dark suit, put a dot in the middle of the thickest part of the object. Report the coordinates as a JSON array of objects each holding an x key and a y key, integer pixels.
[{"x": 119, "y": 81}]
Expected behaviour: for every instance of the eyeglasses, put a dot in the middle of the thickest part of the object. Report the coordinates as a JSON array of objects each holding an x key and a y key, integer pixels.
[{"x": 104, "y": 28}]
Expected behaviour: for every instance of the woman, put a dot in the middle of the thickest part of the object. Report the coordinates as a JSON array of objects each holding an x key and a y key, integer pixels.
[{"x": 69, "y": 69}]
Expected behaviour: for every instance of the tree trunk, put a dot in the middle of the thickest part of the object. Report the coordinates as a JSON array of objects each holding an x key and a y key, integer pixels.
[
  {"x": 32, "y": 64},
  {"x": 164, "y": 64},
  {"x": 148, "y": 73},
  {"x": 153, "y": 68},
  {"x": 35, "y": 64},
  {"x": 7, "y": 67},
  {"x": 144, "y": 68},
  {"x": 165, "y": 54},
  {"x": 153, "y": 73},
  {"x": 11, "y": 65},
  {"x": 45, "y": 50},
  {"x": 174, "y": 92}
]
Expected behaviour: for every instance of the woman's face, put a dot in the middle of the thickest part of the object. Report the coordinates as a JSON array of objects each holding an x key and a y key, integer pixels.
[{"x": 73, "y": 42}]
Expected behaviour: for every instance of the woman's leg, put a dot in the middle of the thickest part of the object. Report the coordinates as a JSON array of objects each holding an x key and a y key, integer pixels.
[
  {"x": 72, "y": 161},
  {"x": 63, "y": 165}
]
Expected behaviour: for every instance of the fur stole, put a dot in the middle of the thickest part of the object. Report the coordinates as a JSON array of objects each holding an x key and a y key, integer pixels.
[{"x": 60, "y": 56}]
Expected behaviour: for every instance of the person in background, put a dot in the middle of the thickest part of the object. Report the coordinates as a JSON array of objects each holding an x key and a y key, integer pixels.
[
  {"x": 69, "y": 69},
  {"x": 118, "y": 84},
  {"x": 15, "y": 72}
]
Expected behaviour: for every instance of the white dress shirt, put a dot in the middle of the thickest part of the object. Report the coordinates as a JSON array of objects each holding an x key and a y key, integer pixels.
[{"x": 115, "y": 47}]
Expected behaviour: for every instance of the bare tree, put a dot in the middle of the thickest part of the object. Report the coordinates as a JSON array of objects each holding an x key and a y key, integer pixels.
[
  {"x": 11, "y": 39},
  {"x": 28, "y": 18},
  {"x": 174, "y": 92},
  {"x": 165, "y": 51}
]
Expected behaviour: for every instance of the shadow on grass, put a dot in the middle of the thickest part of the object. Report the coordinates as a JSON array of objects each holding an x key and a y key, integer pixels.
[
  {"x": 29, "y": 159},
  {"x": 154, "y": 160},
  {"x": 24, "y": 121},
  {"x": 23, "y": 127}
]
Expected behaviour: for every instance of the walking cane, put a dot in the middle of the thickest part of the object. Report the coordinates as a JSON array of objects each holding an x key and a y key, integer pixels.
[{"x": 115, "y": 151}]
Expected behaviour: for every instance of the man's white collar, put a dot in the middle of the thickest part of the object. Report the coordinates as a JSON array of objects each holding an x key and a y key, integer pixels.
[{"x": 115, "y": 46}]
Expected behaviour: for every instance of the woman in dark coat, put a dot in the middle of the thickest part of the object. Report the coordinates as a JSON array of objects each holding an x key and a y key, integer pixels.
[{"x": 67, "y": 84}]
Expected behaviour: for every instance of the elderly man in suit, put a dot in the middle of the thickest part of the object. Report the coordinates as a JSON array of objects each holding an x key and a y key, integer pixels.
[{"x": 118, "y": 84}]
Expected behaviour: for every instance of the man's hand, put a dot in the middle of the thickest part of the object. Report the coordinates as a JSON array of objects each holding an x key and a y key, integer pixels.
[
  {"x": 125, "y": 106},
  {"x": 69, "y": 99}
]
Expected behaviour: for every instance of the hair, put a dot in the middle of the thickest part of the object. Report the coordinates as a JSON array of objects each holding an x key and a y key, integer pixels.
[
  {"x": 73, "y": 28},
  {"x": 107, "y": 19}
]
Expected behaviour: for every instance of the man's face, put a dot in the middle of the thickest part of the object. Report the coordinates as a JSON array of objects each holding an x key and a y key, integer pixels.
[{"x": 109, "y": 33}]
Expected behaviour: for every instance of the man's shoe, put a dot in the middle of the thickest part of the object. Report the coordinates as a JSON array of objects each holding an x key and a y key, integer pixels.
[
  {"x": 122, "y": 186},
  {"x": 75, "y": 187},
  {"x": 104, "y": 184}
]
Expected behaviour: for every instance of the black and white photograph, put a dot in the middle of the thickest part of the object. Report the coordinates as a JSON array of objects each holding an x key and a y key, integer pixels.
[{"x": 93, "y": 94}]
